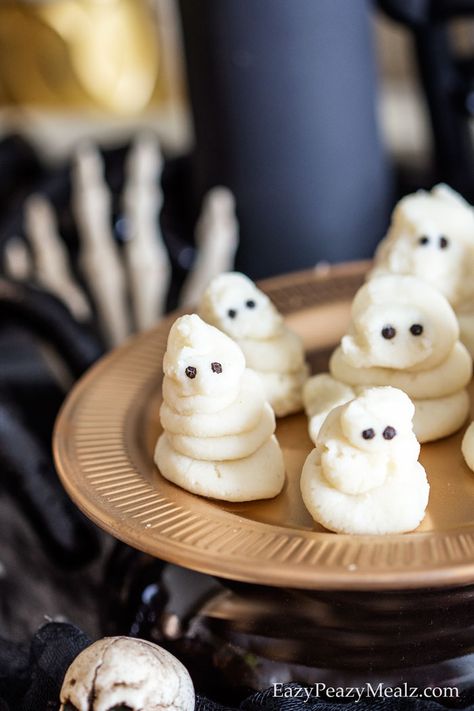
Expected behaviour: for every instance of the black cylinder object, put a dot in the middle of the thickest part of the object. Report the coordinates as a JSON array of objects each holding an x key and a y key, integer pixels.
[{"x": 284, "y": 102}]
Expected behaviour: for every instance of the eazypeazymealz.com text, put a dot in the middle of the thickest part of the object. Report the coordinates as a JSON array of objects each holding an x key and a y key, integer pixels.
[{"x": 366, "y": 691}]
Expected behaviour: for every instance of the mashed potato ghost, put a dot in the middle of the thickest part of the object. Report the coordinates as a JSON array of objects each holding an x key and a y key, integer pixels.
[
  {"x": 363, "y": 476},
  {"x": 233, "y": 304},
  {"x": 402, "y": 333},
  {"x": 467, "y": 446},
  {"x": 432, "y": 237},
  {"x": 218, "y": 429}
]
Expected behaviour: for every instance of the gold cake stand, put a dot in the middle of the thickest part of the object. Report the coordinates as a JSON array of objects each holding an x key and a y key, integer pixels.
[{"x": 104, "y": 443}]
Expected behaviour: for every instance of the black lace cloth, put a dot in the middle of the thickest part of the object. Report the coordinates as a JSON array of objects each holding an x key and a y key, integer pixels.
[{"x": 31, "y": 677}]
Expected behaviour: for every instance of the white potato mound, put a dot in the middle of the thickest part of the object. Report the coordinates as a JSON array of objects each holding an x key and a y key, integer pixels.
[
  {"x": 467, "y": 446},
  {"x": 260, "y": 475},
  {"x": 231, "y": 446},
  {"x": 234, "y": 304},
  {"x": 431, "y": 236},
  {"x": 284, "y": 390},
  {"x": 243, "y": 413},
  {"x": 403, "y": 333},
  {"x": 400, "y": 303},
  {"x": 321, "y": 394},
  {"x": 363, "y": 477},
  {"x": 218, "y": 427}
]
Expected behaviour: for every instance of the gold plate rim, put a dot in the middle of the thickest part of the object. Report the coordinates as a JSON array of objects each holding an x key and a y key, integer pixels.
[{"x": 90, "y": 446}]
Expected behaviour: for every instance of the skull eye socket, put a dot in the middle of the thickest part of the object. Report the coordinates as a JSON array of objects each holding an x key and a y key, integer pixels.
[
  {"x": 388, "y": 332},
  {"x": 191, "y": 372},
  {"x": 424, "y": 240},
  {"x": 231, "y": 313},
  {"x": 369, "y": 433},
  {"x": 389, "y": 432}
]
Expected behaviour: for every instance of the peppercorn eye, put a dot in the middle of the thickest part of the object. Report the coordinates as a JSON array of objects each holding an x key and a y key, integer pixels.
[
  {"x": 232, "y": 313},
  {"x": 368, "y": 433},
  {"x": 443, "y": 242},
  {"x": 216, "y": 367},
  {"x": 250, "y": 304},
  {"x": 388, "y": 332},
  {"x": 389, "y": 432},
  {"x": 191, "y": 371},
  {"x": 416, "y": 329},
  {"x": 424, "y": 240}
]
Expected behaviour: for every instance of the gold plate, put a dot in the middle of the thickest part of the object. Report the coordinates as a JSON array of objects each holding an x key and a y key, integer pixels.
[{"x": 104, "y": 443}]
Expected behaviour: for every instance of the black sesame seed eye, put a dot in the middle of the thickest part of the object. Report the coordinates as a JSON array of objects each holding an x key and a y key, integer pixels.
[
  {"x": 250, "y": 304},
  {"x": 424, "y": 240},
  {"x": 389, "y": 432},
  {"x": 216, "y": 367},
  {"x": 232, "y": 313},
  {"x": 191, "y": 371},
  {"x": 416, "y": 329},
  {"x": 368, "y": 434},
  {"x": 388, "y": 332},
  {"x": 443, "y": 242}
]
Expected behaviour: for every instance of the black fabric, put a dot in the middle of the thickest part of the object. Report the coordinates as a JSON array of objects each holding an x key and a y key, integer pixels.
[
  {"x": 31, "y": 679},
  {"x": 27, "y": 473},
  {"x": 49, "y": 319}
]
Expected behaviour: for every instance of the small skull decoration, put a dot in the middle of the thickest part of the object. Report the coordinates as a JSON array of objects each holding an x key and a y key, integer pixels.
[{"x": 125, "y": 674}]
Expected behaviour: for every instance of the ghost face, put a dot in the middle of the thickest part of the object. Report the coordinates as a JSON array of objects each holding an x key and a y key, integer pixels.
[
  {"x": 209, "y": 373},
  {"x": 364, "y": 441},
  {"x": 233, "y": 303},
  {"x": 201, "y": 360},
  {"x": 425, "y": 251},
  {"x": 432, "y": 237},
  {"x": 395, "y": 336},
  {"x": 399, "y": 322},
  {"x": 378, "y": 421}
]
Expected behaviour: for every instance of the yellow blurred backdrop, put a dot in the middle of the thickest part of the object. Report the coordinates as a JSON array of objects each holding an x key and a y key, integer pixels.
[{"x": 115, "y": 56}]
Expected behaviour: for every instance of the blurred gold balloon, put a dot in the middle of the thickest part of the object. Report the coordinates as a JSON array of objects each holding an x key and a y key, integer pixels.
[{"x": 79, "y": 53}]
